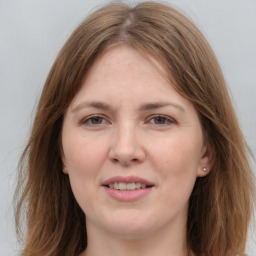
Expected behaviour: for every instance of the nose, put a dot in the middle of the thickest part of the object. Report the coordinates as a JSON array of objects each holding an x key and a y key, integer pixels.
[{"x": 126, "y": 148}]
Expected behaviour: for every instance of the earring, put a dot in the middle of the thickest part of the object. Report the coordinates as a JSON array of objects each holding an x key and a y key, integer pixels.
[{"x": 205, "y": 169}]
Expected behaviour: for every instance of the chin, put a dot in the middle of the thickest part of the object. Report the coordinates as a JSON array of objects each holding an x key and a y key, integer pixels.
[
  {"x": 129, "y": 225},
  {"x": 130, "y": 232}
]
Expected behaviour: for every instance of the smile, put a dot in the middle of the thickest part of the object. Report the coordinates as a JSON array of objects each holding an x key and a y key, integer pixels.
[{"x": 127, "y": 188}]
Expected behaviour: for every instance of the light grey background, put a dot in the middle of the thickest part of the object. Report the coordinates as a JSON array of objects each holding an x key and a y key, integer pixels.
[{"x": 33, "y": 31}]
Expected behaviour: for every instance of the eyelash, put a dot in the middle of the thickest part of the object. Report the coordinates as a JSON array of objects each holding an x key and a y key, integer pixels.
[
  {"x": 88, "y": 120},
  {"x": 167, "y": 120}
]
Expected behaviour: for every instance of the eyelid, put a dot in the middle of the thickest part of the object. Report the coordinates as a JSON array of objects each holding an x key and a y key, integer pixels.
[
  {"x": 87, "y": 118},
  {"x": 169, "y": 119}
]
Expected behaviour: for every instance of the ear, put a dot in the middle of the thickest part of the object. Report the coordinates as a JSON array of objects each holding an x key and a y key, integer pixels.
[
  {"x": 206, "y": 162},
  {"x": 63, "y": 159},
  {"x": 64, "y": 167}
]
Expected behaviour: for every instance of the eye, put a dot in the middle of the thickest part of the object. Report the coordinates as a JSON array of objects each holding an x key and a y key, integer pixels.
[
  {"x": 161, "y": 120},
  {"x": 94, "y": 121}
]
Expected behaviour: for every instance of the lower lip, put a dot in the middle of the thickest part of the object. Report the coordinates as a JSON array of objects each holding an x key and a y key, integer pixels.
[{"x": 127, "y": 195}]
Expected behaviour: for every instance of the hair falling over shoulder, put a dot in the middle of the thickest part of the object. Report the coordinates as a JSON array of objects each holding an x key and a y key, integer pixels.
[{"x": 221, "y": 203}]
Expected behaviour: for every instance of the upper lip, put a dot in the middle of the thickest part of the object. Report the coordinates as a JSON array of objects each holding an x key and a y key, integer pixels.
[{"x": 128, "y": 179}]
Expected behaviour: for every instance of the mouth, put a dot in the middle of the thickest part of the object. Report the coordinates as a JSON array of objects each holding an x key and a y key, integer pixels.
[{"x": 130, "y": 188}]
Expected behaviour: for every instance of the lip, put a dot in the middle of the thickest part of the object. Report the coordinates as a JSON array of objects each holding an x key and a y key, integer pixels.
[
  {"x": 128, "y": 179},
  {"x": 127, "y": 195}
]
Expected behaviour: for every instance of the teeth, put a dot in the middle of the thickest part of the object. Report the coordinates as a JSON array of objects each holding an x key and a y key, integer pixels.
[
  {"x": 122, "y": 186},
  {"x": 127, "y": 186},
  {"x": 116, "y": 185},
  {"x": 138, "y": 185},
  {"x": 130, "y": 186}
]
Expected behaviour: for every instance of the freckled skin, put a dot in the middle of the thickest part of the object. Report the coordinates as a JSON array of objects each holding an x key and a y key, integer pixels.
[{"x": 126, "y": 141}]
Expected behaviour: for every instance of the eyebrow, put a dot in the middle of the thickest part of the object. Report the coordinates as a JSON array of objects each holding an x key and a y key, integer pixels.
[
  {"x": 156, "y": 105},
  {"x": 143, "y": 107},
  {"x": 93, "y": 104}
]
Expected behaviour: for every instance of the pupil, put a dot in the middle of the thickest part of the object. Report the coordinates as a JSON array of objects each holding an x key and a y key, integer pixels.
[
  {"x": 160, "y": 120},
  {"x": 96, "y": 120}
]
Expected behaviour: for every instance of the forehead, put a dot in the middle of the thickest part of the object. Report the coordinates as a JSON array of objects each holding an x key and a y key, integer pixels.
[
  {"x": 125, "y": 55},
  {"x": 123, "y": 77},
  {"x": 122, "y": 65}
]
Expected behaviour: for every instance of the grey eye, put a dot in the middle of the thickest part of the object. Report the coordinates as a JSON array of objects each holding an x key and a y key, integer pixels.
[
  {"x": 96, "y": 120},
  {"x": 160, "y": 120},
  {"x": 93, "y": 121}
]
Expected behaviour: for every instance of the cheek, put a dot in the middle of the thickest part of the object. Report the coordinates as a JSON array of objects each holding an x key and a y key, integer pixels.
[
  {"x": 82, "y": 155},
  {"x": 83, "y": 160},
  {"x": 177, "y": 166},
  {"x": 177, "y": 158}
]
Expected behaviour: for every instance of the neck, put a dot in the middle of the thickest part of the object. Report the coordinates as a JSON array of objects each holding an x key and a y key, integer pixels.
[{"x": 161, "y": 243}]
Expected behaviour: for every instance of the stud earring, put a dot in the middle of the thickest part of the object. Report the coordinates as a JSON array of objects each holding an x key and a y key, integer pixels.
[{"x": 205, "y": 169}]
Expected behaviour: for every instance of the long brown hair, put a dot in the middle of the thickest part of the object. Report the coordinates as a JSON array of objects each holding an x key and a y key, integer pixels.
[{"x": 221, "y": 203}]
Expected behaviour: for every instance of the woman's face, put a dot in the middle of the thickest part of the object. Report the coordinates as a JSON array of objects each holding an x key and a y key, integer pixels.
[{"x": 132, "y": 147}]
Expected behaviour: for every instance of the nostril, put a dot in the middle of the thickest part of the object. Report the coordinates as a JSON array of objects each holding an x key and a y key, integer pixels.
[
  {"x": 115, "y": 160},
  {"x": 125, "y": 161}
]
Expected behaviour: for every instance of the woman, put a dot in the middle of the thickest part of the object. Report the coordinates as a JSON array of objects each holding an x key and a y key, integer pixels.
[{"x": 135, "y": 148}]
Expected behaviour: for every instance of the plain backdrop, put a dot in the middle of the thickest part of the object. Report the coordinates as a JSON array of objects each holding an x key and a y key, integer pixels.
[{"x": 33, "y": 31}]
